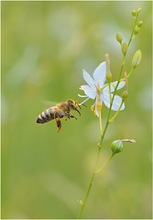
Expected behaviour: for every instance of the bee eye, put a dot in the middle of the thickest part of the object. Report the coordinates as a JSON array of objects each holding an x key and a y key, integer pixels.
[{"x": 72, "y": 103}]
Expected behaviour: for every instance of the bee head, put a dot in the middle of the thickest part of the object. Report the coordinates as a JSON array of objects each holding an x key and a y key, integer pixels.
[{"x": 74, "y": 105}]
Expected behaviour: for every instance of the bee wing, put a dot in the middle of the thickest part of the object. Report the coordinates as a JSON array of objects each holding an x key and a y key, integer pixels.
[{"x": 48, "y": 103}]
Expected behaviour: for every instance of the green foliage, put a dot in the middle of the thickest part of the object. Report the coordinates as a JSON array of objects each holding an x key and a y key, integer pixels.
[{"x": 45, "y": 46}]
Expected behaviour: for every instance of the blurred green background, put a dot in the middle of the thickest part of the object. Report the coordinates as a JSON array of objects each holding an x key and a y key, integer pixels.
[{"x": 45, "y": 46}]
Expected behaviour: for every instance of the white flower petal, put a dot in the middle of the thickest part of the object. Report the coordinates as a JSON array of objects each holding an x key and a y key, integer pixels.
[
  {"x": 91, "y": 93},
  {"x": 99, "y": 74},
  {"x": 106, "y": 99},
  {"x": 99, "y": 78},
  {"x": 120, "y": 85},
  {"x": 113, "y": 85},
  {"x": 88, "y": 79},
  {"x": 106, "y": 90},
  {"x": 116, "y": 102}
]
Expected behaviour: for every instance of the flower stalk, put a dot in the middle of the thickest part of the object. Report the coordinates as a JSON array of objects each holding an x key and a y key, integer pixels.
[
  {"x": 106, "y": 93},
  {"x": 104, "y": 165},
  {"x": 115, "y": 115}
]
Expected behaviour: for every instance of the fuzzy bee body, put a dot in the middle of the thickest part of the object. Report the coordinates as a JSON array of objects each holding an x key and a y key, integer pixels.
[
  {"x": 47, "y": 115},
  {"x": 58, "y": 111}
]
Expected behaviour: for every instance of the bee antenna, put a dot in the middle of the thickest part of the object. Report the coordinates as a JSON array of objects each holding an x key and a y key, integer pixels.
[
  {"x": 79, "y": 104},
  {"x": 84, "y": 105}
]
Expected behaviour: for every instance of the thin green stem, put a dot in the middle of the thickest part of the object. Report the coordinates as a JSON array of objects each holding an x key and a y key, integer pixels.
[
  {"x": 109, "y": 87},
  {"x": 103, "y": 166},
  {"x": 123, "y": 62},
  {"x": 95, "y": 167},
  {"x": 109, "y": 112},
  {"x": 115, "y": 115},
  {"x": 132, "y": 33},
  {"x": 132, "y": 70},
  {"x": 119, "y": 79},
  {"x": 100, "y": 123},
  {"x": 90, "y": 185},
  {"x": 87, "y": 194}
]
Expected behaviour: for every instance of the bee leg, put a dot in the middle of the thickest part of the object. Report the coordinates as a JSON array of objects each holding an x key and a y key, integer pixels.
[
  {"x": 58, "y": 123},
  {"x": 68, "y": 116},
  {"x": 72, "y": 116}
]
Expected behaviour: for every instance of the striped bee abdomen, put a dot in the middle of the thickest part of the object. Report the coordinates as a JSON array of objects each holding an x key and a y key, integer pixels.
[
  {"x": 45, "y": 116},
  {"x": 61, "y": 110}
]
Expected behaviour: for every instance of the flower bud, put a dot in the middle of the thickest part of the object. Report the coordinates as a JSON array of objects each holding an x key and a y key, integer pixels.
[
  {"x": 116, "y": 146},
  {"x": 136, "y": 30},
  {"x": 119, "y": 38},
  {"x": 140, "y": 23},
  {"x": 99, "y": 145},
  {"x": 108, "y": 76},
  {"x": 124, "y": 48},
  {"x": 138, "y": 10},
  {"x": 136, "y": 58},
  {"x": 134, "y": 13},
  {"x": 108, "y": 71},
  {"x": 80, "y": 202},
  {"x": 124, "y": 95}
]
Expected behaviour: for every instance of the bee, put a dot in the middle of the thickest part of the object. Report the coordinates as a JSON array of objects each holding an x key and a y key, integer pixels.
[{"x": 62, "y": 109}]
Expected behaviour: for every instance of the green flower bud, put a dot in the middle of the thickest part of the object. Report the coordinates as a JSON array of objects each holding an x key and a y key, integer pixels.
[
  {"x": 136, "y": 30},
  {"x": 80, "y": 201},
  {"x": 99, "y": 145},
  {"x": 139, "y": 10},
  {"x": 108, "y": 76},
  {"x": 116, "y": 146},
  {"x": 134, "y": 13},
  {"x": 119, "y": 38},
  {"x": 136, "y": 58},
  {"x": 140, "y": 23},
  {"x": 108, "y": 71},
  {"x": 124, "y": 48},
  {"x": 124, "y": 95}
]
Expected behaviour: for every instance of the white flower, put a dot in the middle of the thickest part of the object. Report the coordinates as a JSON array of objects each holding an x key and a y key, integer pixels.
[{"x": 98, "y": 90}]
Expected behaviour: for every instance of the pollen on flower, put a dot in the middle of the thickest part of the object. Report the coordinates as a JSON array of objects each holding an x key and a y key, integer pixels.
[
  {"x": 99, "y": 105},
  {"x": 92, "y": 108},
  {"x": 98, "y": 87},
  {"x": 95, "y": 113},
  {"x": 98, "y": 90},
  {"x": 81, "y": 89}
]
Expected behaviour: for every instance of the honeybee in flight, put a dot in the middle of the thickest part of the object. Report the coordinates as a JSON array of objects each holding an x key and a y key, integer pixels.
[{"x": 62, "y": 109}]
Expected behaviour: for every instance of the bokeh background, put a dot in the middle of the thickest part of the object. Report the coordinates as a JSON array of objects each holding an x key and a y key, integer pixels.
[{"x": 45, "y": 46}]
